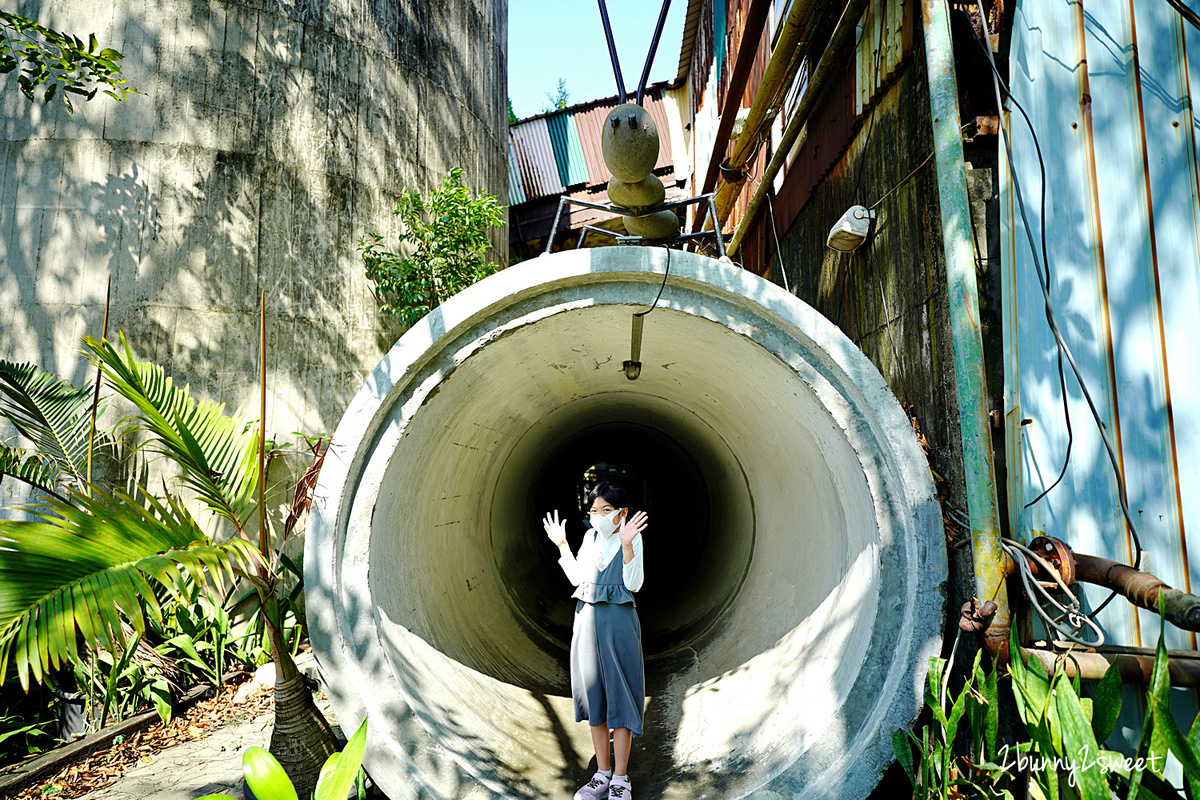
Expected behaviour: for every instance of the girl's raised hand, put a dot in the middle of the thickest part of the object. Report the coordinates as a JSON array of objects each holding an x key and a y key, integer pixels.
[
  {"x": 556, "y": 529},
  {"x": 632, "y": 526}
]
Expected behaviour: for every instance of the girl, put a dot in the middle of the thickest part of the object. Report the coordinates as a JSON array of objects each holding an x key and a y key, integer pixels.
[{"x": 607, "y": 679}]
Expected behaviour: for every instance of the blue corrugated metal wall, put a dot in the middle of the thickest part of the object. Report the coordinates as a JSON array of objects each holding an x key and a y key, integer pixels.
[
  {"x": 1107, "y": 86},
  {"x": 568, "y": 152}
]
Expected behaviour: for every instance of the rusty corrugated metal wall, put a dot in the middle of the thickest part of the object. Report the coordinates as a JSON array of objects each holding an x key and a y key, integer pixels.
[
  {"x": 565, "y": 146},
  {"x": 1107, "y": 86},
  {"x": 535, "y": 158}
]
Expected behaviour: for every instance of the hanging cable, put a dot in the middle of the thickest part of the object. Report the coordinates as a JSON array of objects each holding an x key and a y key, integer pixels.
[
  {"x": 1038, "y": 594},
  {"x": 1044, "y": 283},
  {"x": 778, "y": 250},
  {"x": 667, "y": 272}
]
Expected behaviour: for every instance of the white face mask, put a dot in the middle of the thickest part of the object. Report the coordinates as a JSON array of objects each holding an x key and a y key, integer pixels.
[{"x": 605, "y": 525}]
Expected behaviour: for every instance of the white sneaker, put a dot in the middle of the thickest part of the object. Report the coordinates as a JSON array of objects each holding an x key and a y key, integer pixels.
[
  {"x": 595, "y": 789},
  {"x": 620, "y": 789}
]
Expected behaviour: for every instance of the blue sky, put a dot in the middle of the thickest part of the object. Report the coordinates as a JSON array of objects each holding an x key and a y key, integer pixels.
[{"x": 552, "y": 39}]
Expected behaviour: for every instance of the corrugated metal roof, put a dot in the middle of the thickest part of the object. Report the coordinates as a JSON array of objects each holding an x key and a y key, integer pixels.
[
  {"x": 535, "y": 158},
  {"x": 691, "y": 28},
  {"x": 516, "y": 194},
  {"x": 879, "y": 53},
  {"x": 545, "y": 165},
  {"x": 1109, "y": 96},
  {"x": 567, "y": 151}
]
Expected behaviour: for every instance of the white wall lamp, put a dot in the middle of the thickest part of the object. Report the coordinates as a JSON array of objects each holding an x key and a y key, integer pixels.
[{"x": 849, "y": 232}]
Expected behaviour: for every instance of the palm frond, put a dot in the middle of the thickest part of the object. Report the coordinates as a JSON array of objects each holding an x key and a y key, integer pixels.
[
  {"x": 217, "y": 453},
  {"x": 85, "y": 565},
  {"x": 31, "y": 468},
  {"x": 49, "y": 412}
]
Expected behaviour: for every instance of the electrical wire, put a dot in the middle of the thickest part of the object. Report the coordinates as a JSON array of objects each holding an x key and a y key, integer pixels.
[
  {"x": 1034, "y": 589},
  {"x": 654, "y": 305},
  {"x": 1044, "y": 283},
  {"x": 1062, "y": 379},
  {"x": 778, "y": 251},
  {"x": 903, "y": 181}
]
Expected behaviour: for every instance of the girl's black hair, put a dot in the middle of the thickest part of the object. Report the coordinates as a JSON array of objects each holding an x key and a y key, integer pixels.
[{"x": 611, "y": 493}]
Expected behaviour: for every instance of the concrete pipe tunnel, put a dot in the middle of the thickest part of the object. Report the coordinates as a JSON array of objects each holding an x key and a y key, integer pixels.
[{"x": 795, "y": 563}]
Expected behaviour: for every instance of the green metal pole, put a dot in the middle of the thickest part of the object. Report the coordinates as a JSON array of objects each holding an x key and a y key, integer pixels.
[{"x": 989, "y": 558}]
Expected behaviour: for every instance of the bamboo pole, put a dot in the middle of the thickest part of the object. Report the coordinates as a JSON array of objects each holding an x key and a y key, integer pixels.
[
  {"x": 263, "y": 540},
  {"x": 96, "y": 394}
]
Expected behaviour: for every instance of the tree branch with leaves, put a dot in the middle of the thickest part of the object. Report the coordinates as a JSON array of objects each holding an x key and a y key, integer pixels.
[
  {"x": 54, "y": 60},
  {"x": 446, "y": 238}
]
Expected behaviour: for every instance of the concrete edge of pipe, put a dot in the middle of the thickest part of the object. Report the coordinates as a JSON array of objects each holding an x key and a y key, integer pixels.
[{"x": 404, "y": 755}]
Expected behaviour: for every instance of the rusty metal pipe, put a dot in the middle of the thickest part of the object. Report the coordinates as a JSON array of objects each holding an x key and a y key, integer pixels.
[
  {"x": 1134, "y": 665},
  {"x": 1134, "y": 669},
  {"x": 824, "y": 70},
  {"x": 756, "y": 20},
  {"x": 780, "y": 72},
  {"x": 1141, "y": 588}
]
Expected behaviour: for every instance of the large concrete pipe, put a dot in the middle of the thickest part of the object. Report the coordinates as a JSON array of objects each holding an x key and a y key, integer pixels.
[{"x": 795, "y": 563}]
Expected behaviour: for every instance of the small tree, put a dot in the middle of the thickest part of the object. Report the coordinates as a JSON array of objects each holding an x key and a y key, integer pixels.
[
  {"x": 448, "y": 234},
  {"x": 560, "y": 98}
]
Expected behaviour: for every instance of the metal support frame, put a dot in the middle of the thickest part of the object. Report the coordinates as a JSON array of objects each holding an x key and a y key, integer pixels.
[
  {"x": 686, "y": 237},
  {"x": 969, "y": 380},
  {"x": 662, "y": 18},
  {"x": 612, "y": 51}
]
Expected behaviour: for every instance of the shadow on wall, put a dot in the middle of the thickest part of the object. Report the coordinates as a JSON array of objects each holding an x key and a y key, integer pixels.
[{"x": 263, "y": 145}]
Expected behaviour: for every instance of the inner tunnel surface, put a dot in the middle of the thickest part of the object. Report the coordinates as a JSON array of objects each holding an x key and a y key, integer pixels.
[{"x": 773, "y": 507}]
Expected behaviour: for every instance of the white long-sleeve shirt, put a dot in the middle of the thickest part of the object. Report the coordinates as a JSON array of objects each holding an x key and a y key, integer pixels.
[{"x": 601, "y": 550}]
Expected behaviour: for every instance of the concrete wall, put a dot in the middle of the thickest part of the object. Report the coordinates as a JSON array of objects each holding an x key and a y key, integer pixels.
[{"x": 267, "y": 138}]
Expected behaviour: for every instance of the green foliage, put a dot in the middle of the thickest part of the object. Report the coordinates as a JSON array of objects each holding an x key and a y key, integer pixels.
[
  {"x": 57, "y": 61},
  {"x": 25, "y": 721},
  {"x": 268, "y": 781},
  {"x": 512, "y": 117},
  {"x": 54, "y": 416},
  {"x": 82, "y": 566},
  {"x": 120, "y": 683},
  {"x": 932, "y": 769},
  {"x": 197, "y": 633},
  {"x": 559, "y": 100},
  {"x": 97, "y": 576},
  {"x": 217, "y": 454},
  {"x": 255, "y": 646},
  {"x": 31, "y": 468},
  {"x": 1066, "y": 733},
  {"x": 447, "y": 234}
]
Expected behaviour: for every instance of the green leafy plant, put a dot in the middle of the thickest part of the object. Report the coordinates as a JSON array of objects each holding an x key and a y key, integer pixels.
[
  {"x": 52, "y": 414},
  {"x": 445, "y": 236},
  {"x": 197, "y": 634},
  {"x": 1066, "y": 730},
  {"x": 559, "y": 99},
  {"x": 20, "y": 737},
  {"x": 267, "y": 779},
  {"x": 929, "y": 759},
  {"x": 93, "y": 560},
  {"x": 122, "y": 683},
  {"x": 55, "y": 60}
]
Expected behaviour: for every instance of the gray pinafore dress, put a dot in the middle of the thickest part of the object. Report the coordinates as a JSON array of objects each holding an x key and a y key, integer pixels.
[{"x": 607, "y": 678}]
